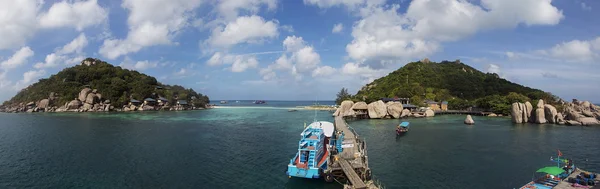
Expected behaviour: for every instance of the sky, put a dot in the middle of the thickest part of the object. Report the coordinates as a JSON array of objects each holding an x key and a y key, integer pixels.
[{"x": 303, "y": 49}]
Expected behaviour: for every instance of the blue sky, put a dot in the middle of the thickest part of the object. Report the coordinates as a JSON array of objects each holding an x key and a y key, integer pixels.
[{"x": 303, "y": 49}]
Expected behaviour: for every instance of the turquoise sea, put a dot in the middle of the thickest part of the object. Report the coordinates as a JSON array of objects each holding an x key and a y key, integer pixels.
[{"x": 249, "y": 147}]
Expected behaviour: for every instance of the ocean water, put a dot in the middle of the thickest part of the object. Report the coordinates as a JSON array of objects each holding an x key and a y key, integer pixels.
[{"x": 250, "y": 148}]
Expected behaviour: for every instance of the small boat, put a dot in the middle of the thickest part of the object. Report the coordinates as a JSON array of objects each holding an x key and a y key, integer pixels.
[
  {"x": 312, "y": 156},
  {"x": 259, "y": 102},
  {"x": 402, "y": 128},
  {"x": 292, "y": 110},
  {"x": 564, "y": 173},
  {"x": 223, "y": 102}
]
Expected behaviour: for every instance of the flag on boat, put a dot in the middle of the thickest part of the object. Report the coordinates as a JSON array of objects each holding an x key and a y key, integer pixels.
[{"x": 559, "y": 153}]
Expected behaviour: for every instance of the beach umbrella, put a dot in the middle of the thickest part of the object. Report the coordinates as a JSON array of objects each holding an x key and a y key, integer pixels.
[{"x": 551, "y": 170}]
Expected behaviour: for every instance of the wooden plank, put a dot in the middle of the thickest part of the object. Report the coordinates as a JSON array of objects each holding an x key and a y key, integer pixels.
[{"x": 356, "y": 181}]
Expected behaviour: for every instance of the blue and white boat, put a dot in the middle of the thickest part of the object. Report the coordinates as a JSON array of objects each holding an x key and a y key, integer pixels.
[{"x": 313, "y": 153}]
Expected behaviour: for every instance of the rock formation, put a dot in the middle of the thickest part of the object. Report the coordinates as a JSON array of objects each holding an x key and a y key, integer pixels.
[
  {"x": 469, "y": 120},
  {"x": 551, "y": 113},
  {"x": 516, "y": 113},
  {"x": 573, "y": 113},
  {"x": 394, "y": 109},
  {"x": 359, "y": 106},
  {"x": 540, "y": 116},
  {"x": 377, "y": 109},
  {"x": 74, "y": 104},
  {"x": 345, "y": 109},
  {"x": 405, "y": 113},
  {"x": 84, "y": 93},
  {"x": 43, "y": 104},
  {"x": 429, "y": 113}
]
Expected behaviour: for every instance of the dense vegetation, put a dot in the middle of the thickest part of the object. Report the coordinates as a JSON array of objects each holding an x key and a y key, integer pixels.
[
  {"x": 114, "y": 83},
  {"x": 459, "y": 84}
]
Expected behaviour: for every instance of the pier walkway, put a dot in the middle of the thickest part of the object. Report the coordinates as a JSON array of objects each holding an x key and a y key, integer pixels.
[{"x": 351, "y": 163}]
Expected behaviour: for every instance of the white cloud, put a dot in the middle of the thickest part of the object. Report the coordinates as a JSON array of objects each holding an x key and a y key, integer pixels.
[
  {"x": 368, "y": 74},
  {"x": 299, "y": 58},
  {"x": 70, "y": 54},
  {"x": 78, "y": 14},
  {"x": 493, "y": 68},
  {"x": 52, "y": 60},
  {"x": 28, "y": 78},
  {"x": 576, "y": 50},
  {"x": 293, "y": 43},
  {"x": 384, "y": 34},
  {"x": 143, "y": 65},
  {"x": 288, "y": 28},
  {"x": 245, "y": 29},
  {"x": 306, "y": 59},
  {"x": 149, "y": 27},
  {"x": 585, "y": 7},
  {"x": 75, "y": 46},
  {"x": 239, "y": 63},
  {"x": 337, "y": 28},
  {"x": 230, "y": 9},
  {"x": 19, "y": 58},
  {"x": 17, "y": 22},
  {"x": 139, "y": 65},
  {"x": 323, "y": 71},
  {"x": 351, "y": 4}
]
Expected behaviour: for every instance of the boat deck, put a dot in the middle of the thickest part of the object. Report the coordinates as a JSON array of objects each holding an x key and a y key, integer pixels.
[{"x": 566, "y": 185}]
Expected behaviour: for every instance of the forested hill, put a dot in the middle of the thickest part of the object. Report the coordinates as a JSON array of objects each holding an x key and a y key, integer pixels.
[
  {"x": 115, "y": 83},
  {"x": 447, "y": 81}
]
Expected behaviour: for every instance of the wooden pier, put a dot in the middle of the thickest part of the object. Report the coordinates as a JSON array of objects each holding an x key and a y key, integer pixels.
[{"x": 350, "y": 166}]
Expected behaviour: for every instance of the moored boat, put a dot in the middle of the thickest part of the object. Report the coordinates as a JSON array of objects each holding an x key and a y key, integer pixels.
[
  {"x": 259, "y": 102},
  {"x": 564, "y": 175},
  {"x": 402, "y": 128},
  {"x": 223, "y": 102},
  {"x": 313, "y": 154}
]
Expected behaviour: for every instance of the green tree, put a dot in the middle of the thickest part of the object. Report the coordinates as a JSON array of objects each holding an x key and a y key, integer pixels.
[
  {"x": 513, "y": 97},
  {"x": 342, "y": 95}
]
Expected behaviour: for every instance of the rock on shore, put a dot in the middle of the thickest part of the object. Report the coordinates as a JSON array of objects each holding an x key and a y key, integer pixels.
[
  {"x": 378, "y": 110},
  {"x": 574, "y": 113}
]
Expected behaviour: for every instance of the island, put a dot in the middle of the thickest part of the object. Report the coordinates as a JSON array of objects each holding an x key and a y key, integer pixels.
[
  {"x": 423, "y": 88},
  {"x": 97, "y": 86}
]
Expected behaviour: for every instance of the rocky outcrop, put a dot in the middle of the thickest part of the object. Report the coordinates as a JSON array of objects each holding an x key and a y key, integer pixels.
[
  {"x": 551, "y": 113},
  {"x": 377, "y": 109},
  {"x": 405, "y": 113},
  {"x": 84, "y": 93},
  {"x": 43, "y": 104},
  {"x": 516, "y": 112},
  {"x": 469, "y": 120},
  {"x": 345, "y": 109},
  {"x": 492, "y": 115},
  {"x": 588, "y": 121},
  {"x": 359, "y": 106},
  {"x": 394, "y": 109},
  {"x": 91, "y": 98},
  {"x": 573, "y": 113},
  {"x": 540, "y": 115},
  {"x": 429, "y": 113},
  {"x": 528, "y": 110},
  {"x": 573, "y": 123},
  {"x": 74, "y": 104}
]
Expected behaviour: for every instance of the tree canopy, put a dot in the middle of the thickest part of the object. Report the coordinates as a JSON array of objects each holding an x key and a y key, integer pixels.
[{"x": 343, "y": 95}]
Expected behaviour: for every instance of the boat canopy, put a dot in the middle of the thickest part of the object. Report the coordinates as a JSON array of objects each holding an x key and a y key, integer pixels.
[
  {"x": 327, "y": 127},
  {"x": 551, "y": 170},
  {"x": 404, "y": 124}
]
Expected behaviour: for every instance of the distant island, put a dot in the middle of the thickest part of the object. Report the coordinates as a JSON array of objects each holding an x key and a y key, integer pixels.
[{"x": 95, "y": 85}]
